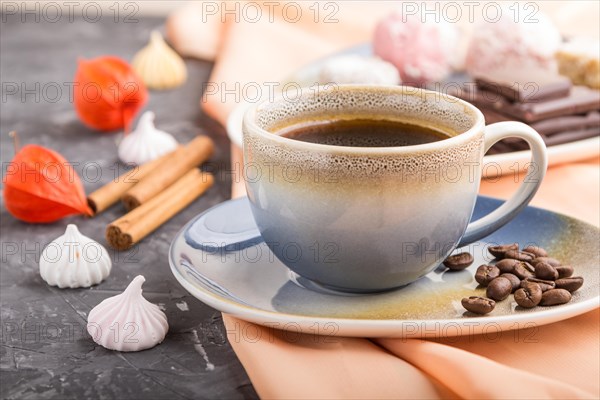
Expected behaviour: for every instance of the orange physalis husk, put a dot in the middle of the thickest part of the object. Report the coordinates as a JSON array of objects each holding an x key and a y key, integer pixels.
[
  {"x": 107, "y": 93},
  {"x": 41, "y": 186}
]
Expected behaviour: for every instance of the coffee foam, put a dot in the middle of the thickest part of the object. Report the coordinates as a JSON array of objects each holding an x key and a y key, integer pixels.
[
  {"x": 430, "y": 109},
  {"x": 351, "y": 163},
  {"x": 339, "y": 165}
]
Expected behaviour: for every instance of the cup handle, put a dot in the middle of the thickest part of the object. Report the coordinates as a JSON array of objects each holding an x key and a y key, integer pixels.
[{"x": 535, "y": 173}]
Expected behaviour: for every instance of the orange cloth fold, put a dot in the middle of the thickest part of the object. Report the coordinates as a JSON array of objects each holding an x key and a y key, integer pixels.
[
  {"x": 558, "y": 361},
  {"x": 316, "y": 367},
  {"x": 472, "y": 376}
]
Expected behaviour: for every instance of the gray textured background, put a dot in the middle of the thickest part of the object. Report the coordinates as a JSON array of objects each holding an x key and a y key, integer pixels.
[{"x": 45, "y": 349}]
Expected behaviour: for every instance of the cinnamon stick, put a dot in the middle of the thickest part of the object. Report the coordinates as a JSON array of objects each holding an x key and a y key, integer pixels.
[
  {"x": 137, "y": 224},
  {"x": 192, "y": 155},
  {"x": 110, "y": 193}
]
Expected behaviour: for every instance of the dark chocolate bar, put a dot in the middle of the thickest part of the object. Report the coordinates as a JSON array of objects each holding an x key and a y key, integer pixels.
[
  {"x": 499, "y": 148},
  {"x": 558, "y": 121},
  {"x": 567, "y": 123},
  {"x": 512, "y": 144},
  {"x": 572, "y": 136},
  {"x": 580, "y": 100},
  {"x": 551, "y": 126},
  {"x": 526, "y": 85},
  {"x": 492, "y": 116}
]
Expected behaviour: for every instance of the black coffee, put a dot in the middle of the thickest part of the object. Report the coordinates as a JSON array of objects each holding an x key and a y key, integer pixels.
[{"x": 364, "y": 133}]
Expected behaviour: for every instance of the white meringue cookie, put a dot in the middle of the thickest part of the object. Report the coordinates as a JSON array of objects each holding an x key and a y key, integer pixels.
[
  {"x": 74, "y": 260},
  {"x": 359, "y": 69},
  {"x": 158, "y": 65},
  {"x": 128, "y": 322},
  {"x": 145, "y": 143}
]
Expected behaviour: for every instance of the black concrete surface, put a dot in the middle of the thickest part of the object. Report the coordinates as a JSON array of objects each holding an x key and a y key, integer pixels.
[{"x": 45, "y": 349}]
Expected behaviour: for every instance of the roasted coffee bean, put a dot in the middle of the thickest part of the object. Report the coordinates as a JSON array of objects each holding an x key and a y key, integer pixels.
[
  {"x": 523, "y": 270},
  {"x": 545, "y": 285},
  {"x": 500, "y": 250},
  {"x": 554, "y": 297},
  {"x": 486, "y": 273},
  {"x": 514, "y": 281},
  {"x": 478, "y": 305},
  {"x": 570, "y": 284},
  {"x": 564, "y": 271},
  {"x": 507, "y": 265},
  {"x": 458, "y": 262},
  {"x": 519, "y": 255},
  {"x": 529, "y": 295},
  {"x": 499, "y": 289},
  {"x": 527, "y": 266},
  {"x": 548, "y": 260},
  {"x": 545, "y": 271},
  {"x": 536, "y": 251}
]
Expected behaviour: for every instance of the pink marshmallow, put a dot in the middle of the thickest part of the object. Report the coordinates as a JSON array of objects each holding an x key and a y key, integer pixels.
[{"x": 420, "y": 50}]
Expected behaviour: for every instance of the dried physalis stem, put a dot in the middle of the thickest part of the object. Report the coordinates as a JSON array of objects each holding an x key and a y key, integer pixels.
[{"x": 15, "y": 138}]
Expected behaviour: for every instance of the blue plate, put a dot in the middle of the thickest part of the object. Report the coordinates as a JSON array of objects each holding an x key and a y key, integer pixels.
[{"x": 220, "y": 259}]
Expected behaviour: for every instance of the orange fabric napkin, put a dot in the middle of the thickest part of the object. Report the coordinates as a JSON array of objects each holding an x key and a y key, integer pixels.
[{"x": 559, "y": 361}]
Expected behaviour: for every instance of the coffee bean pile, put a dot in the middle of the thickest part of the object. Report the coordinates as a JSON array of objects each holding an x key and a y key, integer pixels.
[{"x": 529, "y": 274}]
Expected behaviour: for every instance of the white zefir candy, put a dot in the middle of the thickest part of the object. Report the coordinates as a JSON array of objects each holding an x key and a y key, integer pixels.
[
  {"x": 128, "y": 322},
  {"x": 527, "y": 42},
  {"x": 74, "y": 260},
  {"x": 357, "y": 69},
  {"x": 145, "y": 143}
]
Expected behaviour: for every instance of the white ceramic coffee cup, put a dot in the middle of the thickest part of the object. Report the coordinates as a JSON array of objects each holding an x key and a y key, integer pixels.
[{"x": 367, "y": 219}]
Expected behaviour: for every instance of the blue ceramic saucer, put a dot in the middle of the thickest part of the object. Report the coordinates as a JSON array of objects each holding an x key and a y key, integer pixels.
[{"x": 220, "y": 258}]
